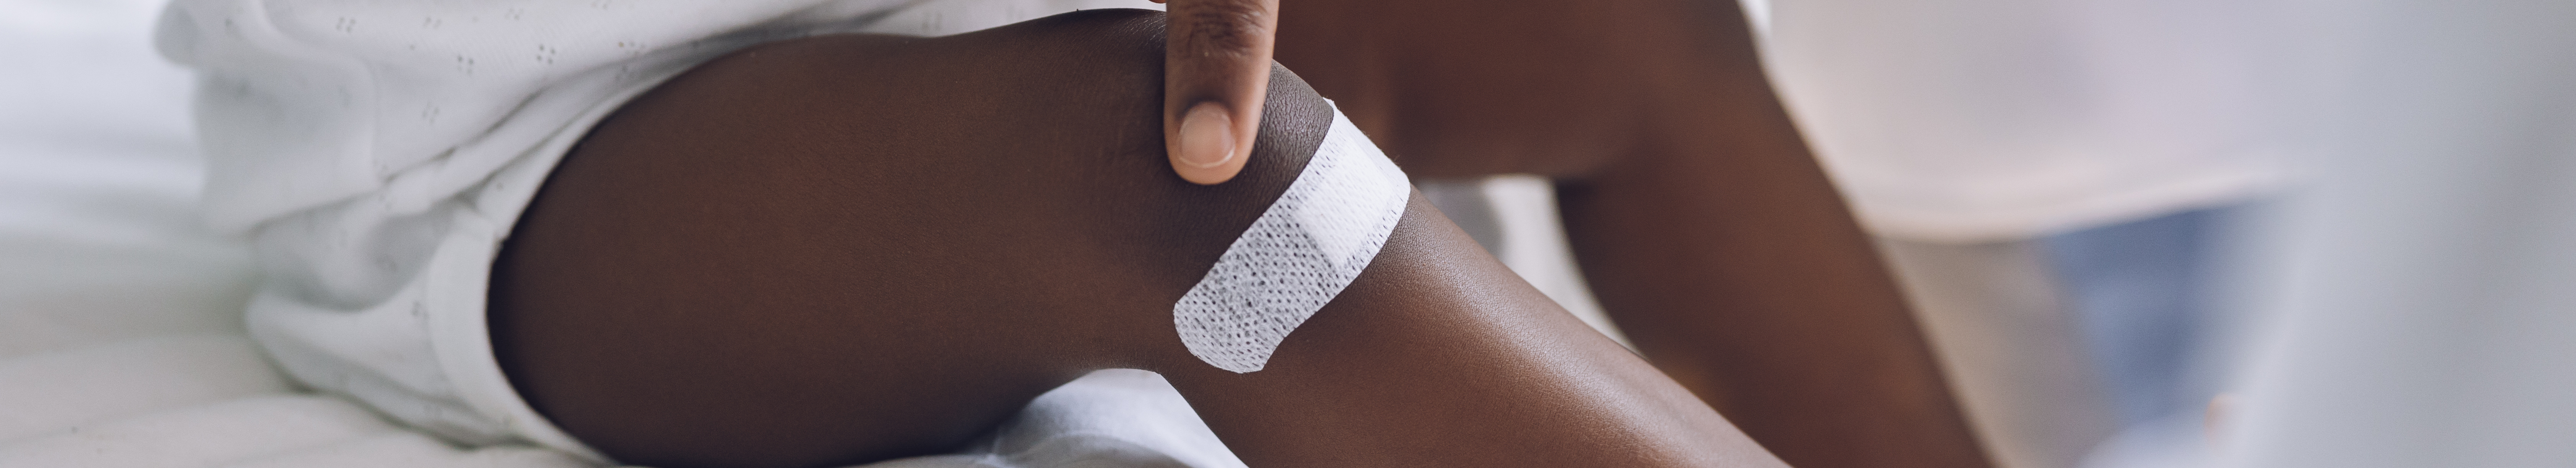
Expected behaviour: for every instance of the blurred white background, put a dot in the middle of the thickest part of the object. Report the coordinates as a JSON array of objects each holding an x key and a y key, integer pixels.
[{"x": 99, "y": 238}]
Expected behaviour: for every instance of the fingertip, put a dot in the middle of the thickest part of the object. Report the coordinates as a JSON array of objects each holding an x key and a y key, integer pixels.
[
  {"x": 1208, "y": 149},
  {"x": 1208, "y": 176},
  {"x": 1216, "y": 69}
]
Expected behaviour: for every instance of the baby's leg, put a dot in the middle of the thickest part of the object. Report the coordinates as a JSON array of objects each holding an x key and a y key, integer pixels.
[
  {"x": 850, "y": 248},
  {"x": 1701, "y": 221}
]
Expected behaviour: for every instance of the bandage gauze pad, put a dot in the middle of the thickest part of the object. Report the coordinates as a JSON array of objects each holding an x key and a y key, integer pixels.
[{"x": 1302, "y": 252}]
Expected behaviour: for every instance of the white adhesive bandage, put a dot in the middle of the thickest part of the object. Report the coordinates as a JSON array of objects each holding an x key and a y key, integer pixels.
[{"x": 1301, "y": 253}]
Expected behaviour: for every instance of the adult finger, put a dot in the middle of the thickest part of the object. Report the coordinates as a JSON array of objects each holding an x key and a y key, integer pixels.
[{"x": 1216, "y": 69}]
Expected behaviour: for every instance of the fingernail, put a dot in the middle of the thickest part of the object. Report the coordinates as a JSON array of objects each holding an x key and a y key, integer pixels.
[{"x": 1207, "y": 136}]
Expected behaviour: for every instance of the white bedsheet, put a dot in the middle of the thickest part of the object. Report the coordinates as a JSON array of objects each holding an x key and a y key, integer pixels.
[{"x": 121, "y": 342}]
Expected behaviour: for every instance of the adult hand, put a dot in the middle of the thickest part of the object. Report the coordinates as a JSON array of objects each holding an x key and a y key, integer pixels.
[{"x": 1216, "y": 68}]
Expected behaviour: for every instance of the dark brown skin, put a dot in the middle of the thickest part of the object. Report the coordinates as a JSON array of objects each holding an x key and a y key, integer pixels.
[
  {"x": 764, "y": 182},
  {"x": 843, "y": 249},
  {"x": 1701, "y": 221}
]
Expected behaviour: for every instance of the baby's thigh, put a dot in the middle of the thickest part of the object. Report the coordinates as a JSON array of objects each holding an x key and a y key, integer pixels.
[{"x": 847, "y": 248}]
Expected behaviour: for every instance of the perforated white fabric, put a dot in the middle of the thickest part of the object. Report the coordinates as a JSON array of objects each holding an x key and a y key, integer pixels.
[{"x": 1309, "y": 245}]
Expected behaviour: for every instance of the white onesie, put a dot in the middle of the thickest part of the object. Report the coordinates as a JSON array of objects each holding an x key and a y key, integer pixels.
[{"x": 378, "y": 152}]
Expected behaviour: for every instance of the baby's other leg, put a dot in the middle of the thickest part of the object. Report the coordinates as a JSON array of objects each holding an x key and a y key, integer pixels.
[
  {"x": 1702, "y": 222},
  {"x": 850, "y": 248}
]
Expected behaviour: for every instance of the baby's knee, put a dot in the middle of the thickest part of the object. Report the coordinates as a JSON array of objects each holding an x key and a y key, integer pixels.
[{"x": 950, "y": 224}]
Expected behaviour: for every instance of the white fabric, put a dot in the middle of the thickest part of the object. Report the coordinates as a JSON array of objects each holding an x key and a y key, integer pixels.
[
  {"x": 2423, "y": 277},
  {"x": 1988, "y": 120},
  {"x": 1298, "y": 255},
  {"x": 1114, "y": 417},
  {"x": 285, "y": 422},
  {"x": 69, "y": 387}
]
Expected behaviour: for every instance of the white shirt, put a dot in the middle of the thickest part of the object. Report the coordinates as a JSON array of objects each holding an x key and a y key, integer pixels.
[{"x": 1982, "y": 120}]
